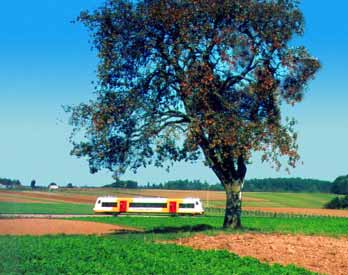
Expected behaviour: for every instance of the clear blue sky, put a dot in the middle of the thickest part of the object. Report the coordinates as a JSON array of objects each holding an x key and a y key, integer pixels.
[{"x": 46, "y": 62}]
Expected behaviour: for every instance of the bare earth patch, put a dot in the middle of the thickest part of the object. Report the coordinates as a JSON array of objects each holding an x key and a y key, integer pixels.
[
  {"x": 55, "y": 226},
  {"x": 319, "y": 254}
]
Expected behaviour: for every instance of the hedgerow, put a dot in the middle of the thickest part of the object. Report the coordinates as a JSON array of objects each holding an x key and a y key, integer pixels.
[{"x": 111, "y": 255}]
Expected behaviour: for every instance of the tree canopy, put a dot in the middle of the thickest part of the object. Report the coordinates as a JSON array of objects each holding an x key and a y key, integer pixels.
[
  {"x": 32, "y": 184},
  {"x": 178, "y": 78}
]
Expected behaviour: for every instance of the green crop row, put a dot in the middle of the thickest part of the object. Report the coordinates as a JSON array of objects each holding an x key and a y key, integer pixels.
[
  {"x": 111, "y": 255},
  {"x": 299, "y": 225}
]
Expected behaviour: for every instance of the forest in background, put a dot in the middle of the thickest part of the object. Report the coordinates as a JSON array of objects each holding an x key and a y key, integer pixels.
[
  {"x": 298, "y": 185},
  {"x": 251, "y": 185}
]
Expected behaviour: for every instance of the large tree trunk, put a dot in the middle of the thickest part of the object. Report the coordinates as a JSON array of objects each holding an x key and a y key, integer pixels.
[
  {"x": 231, "y": 173},
  {"x": 233, "y": 204}
]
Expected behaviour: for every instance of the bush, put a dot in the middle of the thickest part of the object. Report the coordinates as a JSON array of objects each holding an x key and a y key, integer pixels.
[
  {"x": 340, "y": 185},
  {"x": 337, "y": 203}
]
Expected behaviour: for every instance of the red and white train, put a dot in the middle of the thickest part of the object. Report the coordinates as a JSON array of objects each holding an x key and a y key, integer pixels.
[{"x": 117, "y": 205}]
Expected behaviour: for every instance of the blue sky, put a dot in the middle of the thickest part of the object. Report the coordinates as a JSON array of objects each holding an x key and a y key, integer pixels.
[{"x": 46, "y": 62}]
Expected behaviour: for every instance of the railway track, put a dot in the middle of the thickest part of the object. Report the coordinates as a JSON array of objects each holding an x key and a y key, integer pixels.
[
  {"x": 59, "y": 216},
  {"x": 47, "y": 216}
]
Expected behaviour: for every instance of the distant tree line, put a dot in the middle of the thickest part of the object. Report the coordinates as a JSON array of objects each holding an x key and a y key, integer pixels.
[
  {"x": 252, "y": 185},
  {"x": 123, "y": 184},
  {"x": 10, "y": 183},
  {"x": 287, "y": 185},
  {"x": 184, "y": 185}
]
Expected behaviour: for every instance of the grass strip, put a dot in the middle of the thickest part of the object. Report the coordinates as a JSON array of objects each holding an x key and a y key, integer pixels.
[
  {"x": 44, "y": 208},
  {"x": 327, "y": 226}
]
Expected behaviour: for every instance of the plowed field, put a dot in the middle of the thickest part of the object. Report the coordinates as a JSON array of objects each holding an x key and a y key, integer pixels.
[
  {"x": 38, "y": 197},
  {"x": 316, "y": 253},
  {"x": 53, "y": 226}
]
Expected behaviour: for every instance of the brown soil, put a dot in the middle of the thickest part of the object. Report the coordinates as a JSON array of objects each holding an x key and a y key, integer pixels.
[
  {"x": 54, "y": 197},
  {"x": 54, "y": 226},
  {"x": 315, "y": 253},
  {"x": 14, "y": 199},
  {"x": 302, "y": 211}
]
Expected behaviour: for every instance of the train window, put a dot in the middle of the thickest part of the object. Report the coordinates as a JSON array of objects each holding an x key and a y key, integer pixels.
[
  {"x": 99, "y": 202},
  {"x": 109, "y": 204},
  {"x": 196, "y": 202},
  {"x": 186, "y": 205},
  {"x": 148, "y": 204}
]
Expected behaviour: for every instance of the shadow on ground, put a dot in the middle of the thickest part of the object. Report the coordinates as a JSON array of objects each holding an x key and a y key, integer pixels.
[
  {"x": 170, "y": 229},
  {"x": 181, "y": 229}
]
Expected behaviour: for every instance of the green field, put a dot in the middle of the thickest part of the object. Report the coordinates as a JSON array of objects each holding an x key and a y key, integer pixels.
[
  {"x": 300, "y": 225},
  {"x": 140, "y": 253},
  {"x": 122, "y": 256},
  {"x": 267, "y": 199},
  {"x": 298, "y": 200},
  {"x": 44, "y": 208},
  {"x": 210, "y": 199},
  {"x": 275, "y": 200},
  {"x": 280, "y": 200}
]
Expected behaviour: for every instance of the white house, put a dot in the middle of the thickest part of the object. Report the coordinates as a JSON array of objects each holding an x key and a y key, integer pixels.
[{"x": 53, "y": 186}]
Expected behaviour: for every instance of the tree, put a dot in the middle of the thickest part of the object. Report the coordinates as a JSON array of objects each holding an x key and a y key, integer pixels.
[
  {"x": 32, "y": 184},
  {"x": 69, "y": 185},
  {"x": 340, "y": 185},
  {"x": 123, "y": 184},
  {"x": 181, "y": 78},
  {"x": 10, "y": 183}
]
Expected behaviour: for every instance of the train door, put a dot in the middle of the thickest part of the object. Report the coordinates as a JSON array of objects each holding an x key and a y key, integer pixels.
[
  {"x": 123, "y": 206},
  {"x": 172, "y": 207}
]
